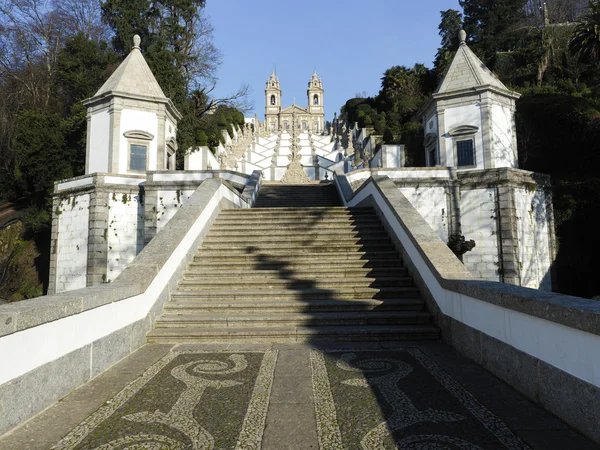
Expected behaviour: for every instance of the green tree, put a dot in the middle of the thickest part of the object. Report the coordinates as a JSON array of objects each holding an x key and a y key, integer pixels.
[
  {"x": 42, "y": 157},
  {"x": 488, "y": 24},
  {"x": 450, "y": 24},
  {"x": 82, "y": 67},
  {"x": 586, "y": 37}
]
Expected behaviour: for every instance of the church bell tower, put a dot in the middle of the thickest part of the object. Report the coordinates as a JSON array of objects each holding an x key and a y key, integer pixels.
[
  {"x": 315, "y": 102},
  {"x": 272, "y": 102}
]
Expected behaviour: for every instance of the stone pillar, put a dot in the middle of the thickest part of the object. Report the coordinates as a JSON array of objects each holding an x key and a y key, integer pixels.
[
  {"x": 441, "y": 119},
  {"x": 115, "y": 138},
  {"x": 97, "y": 258},
  {"x": 150, "y": 211},
  {"x": 53, "y": 245},
  {"x": 487, "y": 131},
  {"x": 508, "y": 243},
  {"x": 453, "y": 203},
  {"x": 161, "y": 150}
]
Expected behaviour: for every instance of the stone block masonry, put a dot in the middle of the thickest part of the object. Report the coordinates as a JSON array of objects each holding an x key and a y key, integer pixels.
[
  {"x": 507, "y": 212},
  {"x": 478, "y": 214},
  {"x": 71, "y": 247},
  {"x": 125, "y": 235}
]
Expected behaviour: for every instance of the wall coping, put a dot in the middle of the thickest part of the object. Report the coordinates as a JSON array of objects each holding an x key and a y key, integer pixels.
[
  {"x": 134, "y": 280},
  {"x": 450, "y": 273}
]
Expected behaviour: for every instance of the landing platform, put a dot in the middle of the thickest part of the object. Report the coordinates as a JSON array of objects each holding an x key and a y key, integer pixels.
[{"x": 407, "y": 394}]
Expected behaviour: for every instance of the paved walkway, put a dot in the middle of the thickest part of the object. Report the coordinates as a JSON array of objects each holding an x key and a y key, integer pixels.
[{"x": 352, "y": 396}]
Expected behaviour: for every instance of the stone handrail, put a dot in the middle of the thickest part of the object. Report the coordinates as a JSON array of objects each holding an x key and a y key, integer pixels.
[{"x": 524, "y": 336}]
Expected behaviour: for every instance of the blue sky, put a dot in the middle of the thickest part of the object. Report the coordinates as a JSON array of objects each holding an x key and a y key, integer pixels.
[{"x": 350, "y": 42}]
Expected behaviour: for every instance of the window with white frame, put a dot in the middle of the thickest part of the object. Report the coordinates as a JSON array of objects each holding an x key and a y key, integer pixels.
[
  {"x": 138, "y": 144},
  {"x": 463, "y": 138}
]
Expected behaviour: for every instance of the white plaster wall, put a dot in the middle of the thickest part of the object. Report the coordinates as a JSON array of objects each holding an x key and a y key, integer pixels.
[
  {"x": 138, "y": 120},
  {"x": 431, "y": 204},
  {"x": 200, "y": 159},
  {"x": 169, "y": 201},
  {"x": 392, "y": 156},
  {"x": 503, "y": 154},
  {"x": 72, "y": 242},
  {"x": 125, "y": 233},
  {"x": 478, "y": 220},
  {"x": 458, "y": 116},
  {"x": 533, "y": 237},
  {"x": 99, "y": 142}
]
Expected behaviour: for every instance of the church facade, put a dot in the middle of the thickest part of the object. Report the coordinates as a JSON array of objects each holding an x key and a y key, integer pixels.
[{"x": 311, "y": 118}]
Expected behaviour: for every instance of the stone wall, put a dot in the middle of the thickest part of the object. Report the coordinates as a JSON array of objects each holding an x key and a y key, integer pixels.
[
  {"x": 125, "y": 230},
  {"x": 507, "y": 212},
  {"x": 168, "y": 202},
  {"x": 532, "y": 232},
  {"x": 432, "y": 204},
  {"x": 479, "y": 222},
  {"x": 71, "y": 241}
]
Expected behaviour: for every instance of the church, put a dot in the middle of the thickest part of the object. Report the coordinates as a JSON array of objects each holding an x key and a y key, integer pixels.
[{"x": 310, "y": 118}]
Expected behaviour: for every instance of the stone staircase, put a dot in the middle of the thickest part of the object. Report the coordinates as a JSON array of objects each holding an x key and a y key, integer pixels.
[
  {"x": 295, "y": 274},
  {"x": 273, "y": 195}
]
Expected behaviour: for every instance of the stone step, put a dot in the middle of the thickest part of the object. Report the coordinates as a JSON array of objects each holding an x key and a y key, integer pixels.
[
  {"x": 325, "y": 233},
  {"x": 300, "y": 294},
  {"x": 295, "y": 334},
  {"x": 292, "y": 227},
  {"x": 228, "y": 307},
  {"x": 209, "y": 283},
  {"x": 307, "y": 272},
  {"x": 284, "y": 257},
  {"x": 299, "y": 248},
  {"x": 300, "y": 264},
  {"x": 331, "y": 210},
  {"x": 314, "y": 221},
  {"x": 303, "y": 239},
  {"x": 291, "y": 319},
  {"x": 286, "y": 247}
]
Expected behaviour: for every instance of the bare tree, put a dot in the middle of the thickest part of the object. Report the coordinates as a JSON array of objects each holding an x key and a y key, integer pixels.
[
  {"x": 82, "y": 16},
  {"x": 548, "y": 12},
  {"x": 204, "y": 102},
  {"x": 31, "y": 35}
]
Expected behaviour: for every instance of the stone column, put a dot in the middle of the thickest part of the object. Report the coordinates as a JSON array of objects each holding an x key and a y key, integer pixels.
[
  {"x": 487, "y": 131},
  {"x": 97, "y": 258},
  {"x": 150, "y": 211},
  {"x": 508, "y": 243},
  {"x": 161, "y": 150},
  {"x": 114, "y": 138},
  {"x": 441, "y": 120},
  {"x": 453, "y": 203},
  {"x": 53, "y": 245}
]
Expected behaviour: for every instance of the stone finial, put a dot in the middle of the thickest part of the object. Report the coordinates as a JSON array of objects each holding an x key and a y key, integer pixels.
[
  {"x": 137, "y": 40},
  {"x": 462, "y": 37}
]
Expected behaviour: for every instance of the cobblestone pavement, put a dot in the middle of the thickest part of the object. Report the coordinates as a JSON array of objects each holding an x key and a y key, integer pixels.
[{"x": 344, "y": 396}]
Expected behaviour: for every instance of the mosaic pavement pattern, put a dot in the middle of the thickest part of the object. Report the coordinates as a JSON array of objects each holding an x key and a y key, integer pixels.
[
  {"x": 187, "y": 400},
  {"x": 398, "y": 398}
]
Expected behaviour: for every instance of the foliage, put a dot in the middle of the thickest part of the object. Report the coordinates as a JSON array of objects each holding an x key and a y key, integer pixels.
[
  {"x": 403, "y": 91},
  {"x": 489, "y": 24},
  {"x": 450, "y": 24},
  {"x": 18, "y": 276},
  {"x": 459, "y": 245},
  {"x": 56, "y": 54},
  {"x": 586, "y": 37}
]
